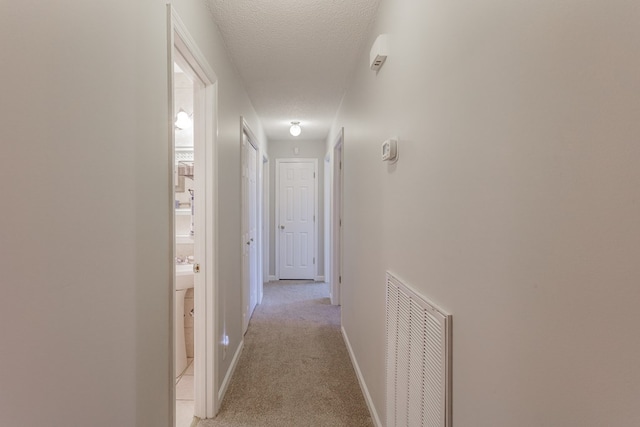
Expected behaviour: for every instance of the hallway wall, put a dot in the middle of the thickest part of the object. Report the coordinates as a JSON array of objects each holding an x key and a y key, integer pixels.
[
  {"x": 307, "y": 150},
  {"x": 514, "y": 204},
  {"x": 84, "y": 312},
  {"x": 85, "y": 235}
]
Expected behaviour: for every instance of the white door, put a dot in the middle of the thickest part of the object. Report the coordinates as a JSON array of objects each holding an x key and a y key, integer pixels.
[
  {"x": 250, "y": 229},
  {"x": 327, "y": 222},
  {"x": 336, "y": 220},
  {"x": 265, "y": 225},
  {"x": 296, "y": 218},
  {"x": 253, "y": 228}
]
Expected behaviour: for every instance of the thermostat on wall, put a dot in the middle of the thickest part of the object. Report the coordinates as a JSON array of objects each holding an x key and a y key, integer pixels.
[{"x": 390, "y": 149}]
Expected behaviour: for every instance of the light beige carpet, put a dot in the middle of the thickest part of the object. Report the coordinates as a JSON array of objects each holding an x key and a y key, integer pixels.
[{"x": 295, "y": 369}]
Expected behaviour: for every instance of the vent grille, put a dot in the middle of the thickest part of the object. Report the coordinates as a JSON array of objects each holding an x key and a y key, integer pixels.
[{"x": 418, "y": 360}]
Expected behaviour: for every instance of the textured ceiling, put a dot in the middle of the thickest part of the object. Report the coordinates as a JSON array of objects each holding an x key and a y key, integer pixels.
[{"x": 294, "y": 56}]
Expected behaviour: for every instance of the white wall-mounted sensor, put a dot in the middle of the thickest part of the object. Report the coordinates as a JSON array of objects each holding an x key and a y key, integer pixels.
[
  {"x": 379, "y": 52},
  {"x": 390, "y": 150}
]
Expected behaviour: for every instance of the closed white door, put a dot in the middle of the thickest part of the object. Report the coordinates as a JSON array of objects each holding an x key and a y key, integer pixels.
[
  {"x": 336, "y": 221},
  {"x": 253, "y": 228},
  {"x": 250, "y": 229},
  {"x": 296, "y": 218}
]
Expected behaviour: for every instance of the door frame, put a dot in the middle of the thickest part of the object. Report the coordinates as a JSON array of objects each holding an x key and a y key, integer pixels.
[
  {"x": 206, "y": 400},
  {"x": 337, "y": 201},
  {"x": 315, "y": 210},
  {"x": 251, "y": 139}
]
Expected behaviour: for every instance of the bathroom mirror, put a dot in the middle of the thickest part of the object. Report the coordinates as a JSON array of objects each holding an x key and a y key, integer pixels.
[{"x": 183, "y": 154}]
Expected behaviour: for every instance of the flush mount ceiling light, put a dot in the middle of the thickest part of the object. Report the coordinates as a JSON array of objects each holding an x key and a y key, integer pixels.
[
  {"x": 183, "y": 120},
  {"x": 295, "y": 128}
]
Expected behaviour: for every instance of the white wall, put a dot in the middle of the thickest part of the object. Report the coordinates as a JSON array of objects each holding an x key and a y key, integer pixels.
[
  {"x": 514, "y": 205},
  {"x": 84, "y": 313},
  {"x": 85, "y": 236},
  {"x": 306, "y": 150}
]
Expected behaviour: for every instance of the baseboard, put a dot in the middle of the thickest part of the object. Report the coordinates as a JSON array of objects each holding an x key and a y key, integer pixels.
[
  {"x": 319, "y": 278},
  {"x": 272, "y": 278},
  {"x": 230, "y": 371},
  {"x": 363, "y": 384}
]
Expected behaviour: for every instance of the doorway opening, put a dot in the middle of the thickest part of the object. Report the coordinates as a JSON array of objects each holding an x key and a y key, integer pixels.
[
  {"x": 186, "y": 180},
  {"x": 193, "y": 122}
]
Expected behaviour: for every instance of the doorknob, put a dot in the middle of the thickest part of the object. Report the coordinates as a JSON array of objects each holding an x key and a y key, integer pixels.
[{"x": 282, "y": 227}]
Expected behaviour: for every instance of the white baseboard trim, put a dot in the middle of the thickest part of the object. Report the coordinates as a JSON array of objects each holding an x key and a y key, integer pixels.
[
  {"x": 363, "y": 385},
  {"x": 230, "y": 371},
  {"x": 317, "y": 278}
]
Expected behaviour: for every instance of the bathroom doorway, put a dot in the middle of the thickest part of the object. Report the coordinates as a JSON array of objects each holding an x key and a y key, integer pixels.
[
  {"x": 188, "y": 235},
  {"x": 193, "y": 100}
]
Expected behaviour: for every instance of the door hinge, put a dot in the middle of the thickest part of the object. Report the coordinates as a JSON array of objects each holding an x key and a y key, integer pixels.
[
  {"x": 339, "y": 279},
  {"x": 314, "y": 174},
  {"x": 314, "y": 218},
  {"x": 340, "y": 222},
  {"x": 314, "y": 260},
  {"x": 340, "y": 165}
]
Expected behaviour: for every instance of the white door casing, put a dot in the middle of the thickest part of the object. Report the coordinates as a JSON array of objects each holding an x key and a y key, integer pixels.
[{"x": 296, "y": 225}]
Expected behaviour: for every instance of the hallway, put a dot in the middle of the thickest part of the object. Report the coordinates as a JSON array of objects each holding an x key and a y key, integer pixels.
[
  {"x": 295, "y": 368},
  {"x": 512, "y": 203}
]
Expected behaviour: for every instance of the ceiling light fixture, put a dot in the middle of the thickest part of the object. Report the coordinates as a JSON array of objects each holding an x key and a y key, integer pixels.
[
  {"x": 183, "y": 120},
  {"x": 295, "y": 128}
]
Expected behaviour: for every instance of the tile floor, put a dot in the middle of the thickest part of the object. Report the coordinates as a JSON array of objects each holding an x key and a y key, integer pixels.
[{"x": 184, "y": 397}]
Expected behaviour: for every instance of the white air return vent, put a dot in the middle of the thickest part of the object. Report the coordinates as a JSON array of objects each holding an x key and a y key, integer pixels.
[{"x": 418, "y": 360}]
